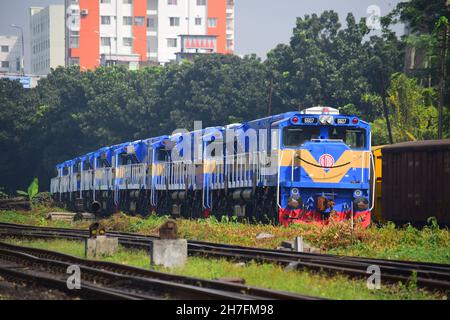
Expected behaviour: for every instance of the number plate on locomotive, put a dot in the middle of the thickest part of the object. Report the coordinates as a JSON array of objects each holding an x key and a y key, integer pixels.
[
  {"x": 341, "y": 121},
  {"x": 309, "y": 120}
]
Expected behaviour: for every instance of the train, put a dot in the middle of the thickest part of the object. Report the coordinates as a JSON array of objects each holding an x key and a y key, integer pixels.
[
  {"x": 412, "y": 182},
  {"x": 310, "y": 166}
]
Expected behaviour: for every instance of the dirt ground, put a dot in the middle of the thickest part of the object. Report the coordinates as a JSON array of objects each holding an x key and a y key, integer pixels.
[{"x": 18, "y": 291}]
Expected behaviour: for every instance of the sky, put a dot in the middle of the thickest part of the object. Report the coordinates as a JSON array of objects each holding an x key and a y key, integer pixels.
[{"x": 259, "y": 24}]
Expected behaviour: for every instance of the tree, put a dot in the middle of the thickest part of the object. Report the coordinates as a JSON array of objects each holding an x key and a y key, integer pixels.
[
  {"x": 428, "y": 23},
  {"x": 331, "y": 65},
  {"x": 385, "y": 57},
  {"x": 442, "y": 34},
  {"x": 414, "y": 115},
  {"x": 420, "y": 15},
  {"x": 17, "y": 118}
]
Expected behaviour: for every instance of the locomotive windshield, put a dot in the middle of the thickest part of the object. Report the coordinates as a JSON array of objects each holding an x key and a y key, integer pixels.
[
  {"x": 355, "y": 138},
  {"x": 294, "y": 136}
]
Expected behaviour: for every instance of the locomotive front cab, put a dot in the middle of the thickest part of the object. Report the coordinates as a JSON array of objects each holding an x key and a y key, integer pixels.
[{"x": 324, "y": 168}]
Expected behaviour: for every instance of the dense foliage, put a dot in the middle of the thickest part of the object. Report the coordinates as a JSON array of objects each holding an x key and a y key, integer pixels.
[{"x": 345, "y": 66}]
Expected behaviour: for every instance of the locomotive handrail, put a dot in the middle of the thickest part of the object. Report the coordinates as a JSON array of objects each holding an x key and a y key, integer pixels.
[
  {"x": 372, "y": 162},
  {"x": 327, "y": 140},
  {"x": 278, "y": 181}
]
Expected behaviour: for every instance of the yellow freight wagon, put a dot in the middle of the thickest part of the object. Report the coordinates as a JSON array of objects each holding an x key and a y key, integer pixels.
[{"x": 378, "y": 178}]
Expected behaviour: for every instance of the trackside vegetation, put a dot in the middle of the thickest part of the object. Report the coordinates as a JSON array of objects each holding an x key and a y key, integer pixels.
[{"x": 430, "y": 243}]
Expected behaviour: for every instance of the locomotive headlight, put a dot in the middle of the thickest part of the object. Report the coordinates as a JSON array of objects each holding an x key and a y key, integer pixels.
[
  {"x": 357, "y": 193},
  {"x": 326, "y": 119},
  {"x": 361, "y": 203},
  {"x": 294, "y": 192}
]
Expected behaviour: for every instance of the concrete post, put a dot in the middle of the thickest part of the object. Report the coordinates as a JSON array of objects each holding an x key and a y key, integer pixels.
[
  {"x": 101, "y": 246},
  {"x": 169, "y": 253},
  {"x": 298, "y": 244}
]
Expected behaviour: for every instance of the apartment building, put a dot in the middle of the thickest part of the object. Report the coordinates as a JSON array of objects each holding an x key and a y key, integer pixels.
[
  {"x": 47, "y": 42},
  {"x": 140, "y": 32},
  {"x": 10, "y": 54}
]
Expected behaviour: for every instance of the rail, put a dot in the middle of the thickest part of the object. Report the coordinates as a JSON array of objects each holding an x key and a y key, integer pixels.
[
  {"x": 137, "y": 282},
  {"x": 103, "y": 178},
  {"x": 160, "y": 175},
  {"x": 241, "y": 170},
  {"x": 428, "y": 275},
  {"x": 65, "y": 184},
  {"x": 181, "y": 175},
  {"x": 131, "y": 176},
  {"x": 54, "y": 185},
  {"x": 87, "y": 182},
  {"x": 75, "y": 181}
]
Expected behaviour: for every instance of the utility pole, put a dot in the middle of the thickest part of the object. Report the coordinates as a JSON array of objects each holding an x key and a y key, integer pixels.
[
  {"x": 22, "y": 64},
  {"x": 269, "y": 102}
]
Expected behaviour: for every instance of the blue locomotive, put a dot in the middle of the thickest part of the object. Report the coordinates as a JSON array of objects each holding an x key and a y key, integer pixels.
[{"x": 311, "y": 166}]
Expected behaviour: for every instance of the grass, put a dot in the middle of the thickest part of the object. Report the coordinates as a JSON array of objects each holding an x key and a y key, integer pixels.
[
  {"x": 431, "y": 244},
  {"x": 261, "y": 275}
]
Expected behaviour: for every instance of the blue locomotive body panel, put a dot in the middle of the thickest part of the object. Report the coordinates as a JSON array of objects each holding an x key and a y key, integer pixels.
[{"x": 312, "y": 166}]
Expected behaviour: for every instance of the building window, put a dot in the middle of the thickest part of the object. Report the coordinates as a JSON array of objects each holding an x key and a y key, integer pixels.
[
  {"x": 106, "y": 20},
  {"x": 151, "y": 23},
  {"x": 105, "y": 41},
  {"x": 172, "y": 2},
  {"x": 198, "y": 21},
  {"x": 139, "y": 21},
  {"x": 201, "y": 2},
  {"x": 230, "y": 24},
  {"x": 128, "y": 42},
  {"x": 74, "y": 42},
  {"x": 212, "y": 22},
  {"x": 174, "y": 21},
  {"x": 5, "y": 48},
  {"x": 5, "y": 64},
  {"x": 127, "y": 21},
  {"x": 74, "y": 61},
  {"x": 127, "y": 1},
  {"x": 172, "y": 42}
]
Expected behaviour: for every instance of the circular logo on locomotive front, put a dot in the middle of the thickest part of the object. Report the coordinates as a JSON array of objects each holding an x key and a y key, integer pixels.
[{"x": 326, "y": 160}]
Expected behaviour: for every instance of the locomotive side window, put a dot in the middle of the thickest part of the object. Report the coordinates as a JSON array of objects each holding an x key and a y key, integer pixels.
[
  {"x": 296, "y": 135},
  {"x": 354, "y": 138}
]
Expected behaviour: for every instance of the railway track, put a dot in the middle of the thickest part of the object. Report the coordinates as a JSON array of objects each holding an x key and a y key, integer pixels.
[
  {"x": 427, "y": 275},
  {"x": 105, "y": 280}
]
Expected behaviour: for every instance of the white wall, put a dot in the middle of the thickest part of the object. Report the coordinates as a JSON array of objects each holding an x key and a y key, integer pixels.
[
  {"x": 57, "y": 34},
  {"x": 47, "y": 28},
  {"x": 116, "y": 30},
  {"x": 184, "y": 9},
  {"x": 14, "y": 53}
]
